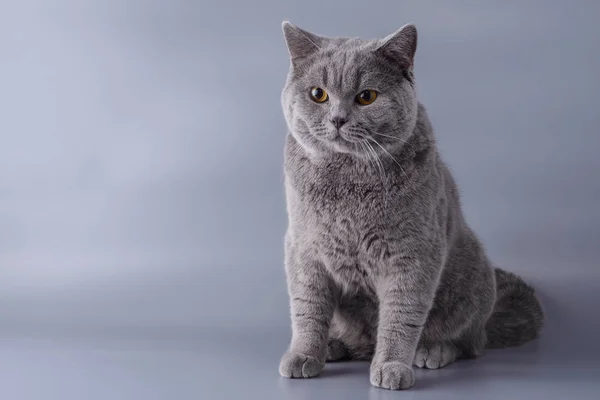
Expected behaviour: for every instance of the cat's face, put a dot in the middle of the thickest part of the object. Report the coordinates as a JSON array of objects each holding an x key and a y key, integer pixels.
[{"x": 350, "y": 95}]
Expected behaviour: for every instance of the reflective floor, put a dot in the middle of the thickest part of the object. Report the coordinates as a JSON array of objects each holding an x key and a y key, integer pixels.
[
  {"x": 241, "y": 363},
  {"x": 226, "y": 366}
]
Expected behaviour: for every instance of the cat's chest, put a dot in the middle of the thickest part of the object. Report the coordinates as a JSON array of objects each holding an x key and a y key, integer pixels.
[
  {"x": 350, "y": 248},
  {"x": 342, "y": 193},
  {"x": 347, "y": 222}
]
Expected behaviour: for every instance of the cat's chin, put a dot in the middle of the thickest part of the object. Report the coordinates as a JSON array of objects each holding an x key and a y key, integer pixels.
[
  {"x": 340, "y": 144},
  {"x": 345, "y": 147},
  {"x": 328, "y": 145}
]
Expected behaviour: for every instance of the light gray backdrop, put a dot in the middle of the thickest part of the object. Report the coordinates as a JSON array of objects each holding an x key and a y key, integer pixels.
[{"x": 141, "y": 180}]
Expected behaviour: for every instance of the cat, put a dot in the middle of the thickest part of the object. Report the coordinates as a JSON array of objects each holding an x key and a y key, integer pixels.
[{"x": 379, "y": 260}]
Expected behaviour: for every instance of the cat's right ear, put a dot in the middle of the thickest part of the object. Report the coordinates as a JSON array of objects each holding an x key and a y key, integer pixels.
[{"x": 300, "y": 43}]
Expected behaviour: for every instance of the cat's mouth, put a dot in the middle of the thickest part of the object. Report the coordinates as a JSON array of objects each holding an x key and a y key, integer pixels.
[
  {"x": 343, "y": 141},
  {"x": 347, "y": 139},
  {"x": 351, "y": 137},
  {"x": 342, "y": 135}
]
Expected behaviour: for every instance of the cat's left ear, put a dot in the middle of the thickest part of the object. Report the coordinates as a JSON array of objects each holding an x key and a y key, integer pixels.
[
  {"x": 401, "y": 46},
  {"x": 300, "y": 43}
]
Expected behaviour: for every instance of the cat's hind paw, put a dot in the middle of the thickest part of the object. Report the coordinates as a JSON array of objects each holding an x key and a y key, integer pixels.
[{"x": 436, "y": 355}]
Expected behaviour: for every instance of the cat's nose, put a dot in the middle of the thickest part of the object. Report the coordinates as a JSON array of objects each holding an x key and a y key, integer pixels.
[{"x": 338, "y": 121}]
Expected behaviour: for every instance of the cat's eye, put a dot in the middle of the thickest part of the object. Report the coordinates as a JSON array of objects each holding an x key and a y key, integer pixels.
[
  {"x": 366, "y": 97},
  {"x": 318, "y": 95}
]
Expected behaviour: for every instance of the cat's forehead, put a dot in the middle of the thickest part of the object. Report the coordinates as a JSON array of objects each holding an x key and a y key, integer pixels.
[{"x": 348, "y": 65}]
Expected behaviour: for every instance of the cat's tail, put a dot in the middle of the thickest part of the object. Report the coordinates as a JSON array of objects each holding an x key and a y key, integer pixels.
[{"x": 517, "y": 317}]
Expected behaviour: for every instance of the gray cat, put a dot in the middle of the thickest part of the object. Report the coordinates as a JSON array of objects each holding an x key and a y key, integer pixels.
[{"x": 380, "y": 262}]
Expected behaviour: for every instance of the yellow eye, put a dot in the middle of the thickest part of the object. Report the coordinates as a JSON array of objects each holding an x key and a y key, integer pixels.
[
  {"x": 319, "y": 95},
  {"x": 366, "y": 97}
]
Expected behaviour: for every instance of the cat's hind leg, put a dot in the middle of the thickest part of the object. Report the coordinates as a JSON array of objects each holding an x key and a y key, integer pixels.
[
  {"x": 337, "y": 351},
  {"x": 436, "y": 355},
  {"x": 349, "y": 341},
  {"x": 353, "y": 330}
]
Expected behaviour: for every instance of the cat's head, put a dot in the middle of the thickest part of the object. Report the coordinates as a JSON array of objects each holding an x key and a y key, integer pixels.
[{"x": 344, "y": 94}]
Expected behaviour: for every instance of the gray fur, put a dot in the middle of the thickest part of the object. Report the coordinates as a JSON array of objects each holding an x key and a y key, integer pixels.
[{"x": 380, "y": 262}]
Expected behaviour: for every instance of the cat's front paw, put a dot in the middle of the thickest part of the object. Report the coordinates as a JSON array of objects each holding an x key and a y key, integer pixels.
[
  {"x": 298, "y": 365},
  {"x": 392, "y": 375}
]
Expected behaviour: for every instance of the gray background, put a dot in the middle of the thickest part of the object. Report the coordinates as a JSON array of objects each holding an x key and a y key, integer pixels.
[{"x": 141, "y": 200}]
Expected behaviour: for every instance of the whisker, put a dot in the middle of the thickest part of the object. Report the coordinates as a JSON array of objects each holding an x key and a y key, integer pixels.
[
  {"x": 379, "y": 161},
  {"x": 296, "y": 152},
  {"x": 382, "y": 175},
  {"x": 362, "y": 145},
  {"x": 395, "y": 138},
  {"x": 379, "y": 164},
  {"x": 389, "y": 154}
]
